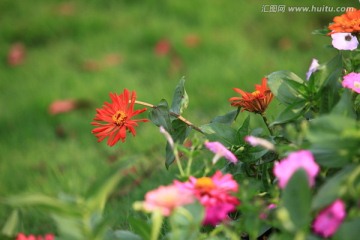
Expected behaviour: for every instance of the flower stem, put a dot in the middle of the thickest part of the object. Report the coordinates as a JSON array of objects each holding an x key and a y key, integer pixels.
[
  {"x": 181, "y": 118},
  {"x": 267, "y": 124}
]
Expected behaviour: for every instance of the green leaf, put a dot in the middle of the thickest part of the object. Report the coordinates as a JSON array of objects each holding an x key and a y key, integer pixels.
[
  {"x": 156, "y": 222},
  {"x": 290, "y": 113},
  {"x": 160, "y": 115},
  {"x": 297, "y": 200},
  {"x": 180, "y": 131},
  {"x": 140, "y": 227},
  {"x": 287, "y": 87},
  {"x": 331, "y": 189},
  {"x": 96, "y": 201},
  {"x": 220, "y": 132},
  {"x": 228, "y": 118},
  {"x": 244, "y": 130},
  {"x": 42, "y": 201},
  {"x": 328, "y": 73},
  {"x": 186, "y": 222},
  {"x": 334, "y": 140},
  {"x": 349, "y": 230},
  {"x": 180, "y": 99},
  {"x": 125, "y": 235},
  {"x": 345, "y": 106},
  {"x": 10, "y": 227},
  {"x": 70, "y": 227}
]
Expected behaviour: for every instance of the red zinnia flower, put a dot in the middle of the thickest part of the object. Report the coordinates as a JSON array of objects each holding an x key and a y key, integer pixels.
[
  {"x": 115, "y": 118},
  {"x": 256, "y": 101}
]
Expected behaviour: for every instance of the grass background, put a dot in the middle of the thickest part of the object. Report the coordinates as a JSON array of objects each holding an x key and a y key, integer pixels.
[{"x": 67, "y": 44}]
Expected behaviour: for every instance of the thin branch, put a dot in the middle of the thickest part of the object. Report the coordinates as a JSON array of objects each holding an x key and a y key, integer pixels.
[{"x": 181, "y": 118}]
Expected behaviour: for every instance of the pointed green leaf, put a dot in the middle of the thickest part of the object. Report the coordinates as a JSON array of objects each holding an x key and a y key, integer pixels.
[
  {"x": 140, "y": 227},
  {"x": 180, "y": 131},
  {"x": 244, "y": 130},
  {"x": 180, "y": 99},
  {"x": 290, "y": 113},
  {"x": 125, "y": 235},
  {"x": 160, "y": 115},
  {"x": 220, "y": 132},
  {"x": 330, "y": 190},
  {"x": 10, "y": 227},
  {"x": 103, "y": 189},
  {"x": 286, "y": 86},
  {"x": 228, "y": 118},
  {"x": 296, "y": 199},
  {"x": 328, "y": 73},
  {"x": 344, "y": 106},
  {"x": 349, "y": 230}
]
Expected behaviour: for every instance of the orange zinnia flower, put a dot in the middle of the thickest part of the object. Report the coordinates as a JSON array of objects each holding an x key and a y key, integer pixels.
[
  {"x": 348, "y": 22},
  {"x": 115, "y": 118},
  {"x": 256, "y": 101}
]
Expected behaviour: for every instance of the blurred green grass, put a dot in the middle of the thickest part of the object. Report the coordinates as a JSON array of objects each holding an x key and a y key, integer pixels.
[{"x": 65, "y": 43}]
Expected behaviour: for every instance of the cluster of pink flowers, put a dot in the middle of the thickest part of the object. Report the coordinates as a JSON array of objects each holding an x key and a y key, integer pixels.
[
  {"x": 22, "y": 236},
  {"x": 214, "y": 193},
  {"x": 329, "y": 219}
]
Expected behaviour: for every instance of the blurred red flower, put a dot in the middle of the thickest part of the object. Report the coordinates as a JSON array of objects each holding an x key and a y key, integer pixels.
[
  {"x": 16, "y": 54},
  {"x": 162, "y": 47},
  {"x": 256, "y": 101},
  {"x": 114, "y": 119},
  {"x": 22, "y": 236},
  {"x": 62, "y": 106}
]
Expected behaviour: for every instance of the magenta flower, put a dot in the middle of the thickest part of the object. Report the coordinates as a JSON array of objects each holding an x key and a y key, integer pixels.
[
  {"x": 344, "y": 41},
  {"x": 255, "y": 141},
  {"x": 214, "y": 194},
  {"x": 220, "y": 151},
  {"x": 166, "y": 199},
  {"x": 314, "y": 66},
  {"x": 329, "y": 219},
  {"x": 264, "y": 214},
  {"x": 303, "y": 159},
  {"x": 352, "y": 81}
]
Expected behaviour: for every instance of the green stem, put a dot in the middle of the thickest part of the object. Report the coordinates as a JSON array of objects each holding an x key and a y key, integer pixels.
[
  {"x": 177, "y": 160},
  {"x": 267, "y": 124},
  {"x": 181, "y": 118}
]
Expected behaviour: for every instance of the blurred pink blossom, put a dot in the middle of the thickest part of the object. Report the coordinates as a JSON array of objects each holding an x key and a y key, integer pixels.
[
  {"x": 302, "y": 159},
  {"x": 352, "y": 81},
  {"x": 62, "y": 106},
  {"x": 220, "y": 151},
  {"x": 329, "y": 219},
  {"x": 264, "y": 214},
  {"x": 16, "y": 54},
  {"x": 22, "y": 236},
  {"x": 255, "y": 141},
  {"x": 166, "y": 199},
  {"x": 344, "y": 41},
  {"x": 162, "y": 47},
  {"x": 214, "y": 193}
]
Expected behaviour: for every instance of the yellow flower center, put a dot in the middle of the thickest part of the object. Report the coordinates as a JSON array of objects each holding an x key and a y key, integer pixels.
[
  {"x": 204, "y": 184},
  {"x": 256, "y": 93},
  {"x": 119, "y": 118},
  {"x": 357, "y": 84}
]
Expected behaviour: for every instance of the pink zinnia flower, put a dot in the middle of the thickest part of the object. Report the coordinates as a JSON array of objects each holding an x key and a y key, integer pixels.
[
  {"x": 214, "y": 194},
  {"x": 166, "y": 199},
  {"x": 344, "y": 41},
  {"x": 220, "y": 151},
  {"x": 303, "y": 159},
  {"x": 329, "y": 219},
  {"x": 352, "y": 81}
]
